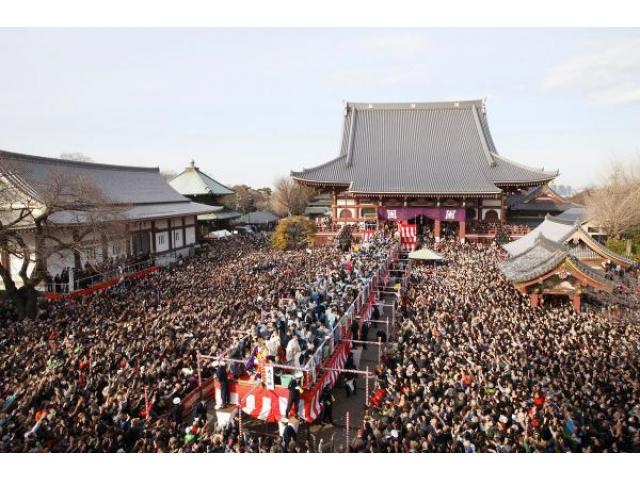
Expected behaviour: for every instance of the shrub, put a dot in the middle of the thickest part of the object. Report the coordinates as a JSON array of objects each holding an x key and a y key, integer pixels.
[{"x": 294, "y": 233}]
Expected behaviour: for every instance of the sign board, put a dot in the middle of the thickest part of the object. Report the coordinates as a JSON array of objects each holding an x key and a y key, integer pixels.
[
  {"x": 269, "y": 378},
  {"x": 312, "y": 368}
]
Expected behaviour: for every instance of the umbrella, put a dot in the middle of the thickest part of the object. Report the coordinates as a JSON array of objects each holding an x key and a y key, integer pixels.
[{"x": 425, "y": 254}]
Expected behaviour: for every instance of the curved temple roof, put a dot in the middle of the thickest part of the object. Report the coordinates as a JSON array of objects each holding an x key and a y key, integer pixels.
[
  {"x": 543, "y": 257},
  {"x": 140, "y": 192},
  {"x": 420, "y": 148},
  {"x": 557, "y": 229},
  {"x": 192, "y": 181}
]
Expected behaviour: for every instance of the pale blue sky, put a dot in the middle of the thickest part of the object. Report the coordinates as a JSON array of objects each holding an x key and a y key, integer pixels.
[{"x": 252, "y": 104}]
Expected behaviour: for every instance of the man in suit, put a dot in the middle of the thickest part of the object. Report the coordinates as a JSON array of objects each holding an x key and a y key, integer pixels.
[
  {"x": 327, "y": 400},
  {"x": 288, "y": 434},
  {"x": 294, "y": 393},
  {"x": 221, "y": 376}
]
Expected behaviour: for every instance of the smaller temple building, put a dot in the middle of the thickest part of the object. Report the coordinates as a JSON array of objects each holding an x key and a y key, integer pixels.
[
  {"x": 548, "y": 268},
  {"x": 77, "y": 216},
  {"x": 201, "y": 188},
  {"x": 531, "y": 206},
  {"x": 560, "y": 258}
]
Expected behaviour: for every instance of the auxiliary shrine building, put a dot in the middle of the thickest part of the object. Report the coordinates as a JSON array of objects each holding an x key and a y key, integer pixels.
[
  {"x": 141, "y": 215},
  {"x": 432, "y": 165}
]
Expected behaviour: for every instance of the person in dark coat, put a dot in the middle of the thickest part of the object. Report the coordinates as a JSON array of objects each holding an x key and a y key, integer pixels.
[
  {"x": 327, "y": 400},
  {"x": 294, "y": 394},
  {"x": 176, "y": 415},
  {"x": 350, "y": 378},
  {"x": 288, "y": 434},
  {"x": 201, "y": 410},
  {"x": 365, "y": 333},
  {"x": 354, "y": 330},
  {"x": 222, "y": 377}
]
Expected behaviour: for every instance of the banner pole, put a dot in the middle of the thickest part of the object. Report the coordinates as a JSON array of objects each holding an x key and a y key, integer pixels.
[
  {"x": 366, "y": 391},
  {"x": 346, "y": 432},
  {"x": 146, "y": 402},
  {"x": 240, "y": 422},
  {"x": 199, "y": 371}
]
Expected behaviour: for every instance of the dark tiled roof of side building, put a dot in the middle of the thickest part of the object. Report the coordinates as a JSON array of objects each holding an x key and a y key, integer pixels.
[
  {"x": 141, "y": 191},
  {"x": 117, "y": 183}
]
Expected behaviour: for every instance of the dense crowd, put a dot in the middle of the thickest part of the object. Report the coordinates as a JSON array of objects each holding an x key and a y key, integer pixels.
[
  {"x": 75, "y": 379},
  {"x": 477, "y": 369},
  {"x": 473, "y": 367}
]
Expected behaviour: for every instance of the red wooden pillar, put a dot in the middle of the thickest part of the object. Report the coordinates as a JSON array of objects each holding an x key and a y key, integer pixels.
[
  {"x": 334, "y": 207},
  {"x": 535, "y": 300},
  {"x": 436, "y": 228},
  {"x": 577, "y": 302},
  {"x": 462, "y": 231}
]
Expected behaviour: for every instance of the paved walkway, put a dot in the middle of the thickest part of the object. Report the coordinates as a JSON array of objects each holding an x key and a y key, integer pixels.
[{"x": 334, "y": 435}]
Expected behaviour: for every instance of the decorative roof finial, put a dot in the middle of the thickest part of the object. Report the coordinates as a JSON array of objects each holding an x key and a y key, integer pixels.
[{"x": 192, "y": 163}]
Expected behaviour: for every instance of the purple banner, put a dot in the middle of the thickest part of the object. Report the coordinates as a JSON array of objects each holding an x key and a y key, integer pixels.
[{"x": 444, "y": 214}]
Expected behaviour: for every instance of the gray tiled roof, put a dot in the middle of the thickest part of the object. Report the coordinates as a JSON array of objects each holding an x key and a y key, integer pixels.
[
  {"x": 139, "y": 193},
  {"x": 421, "y": 148},
  {"x": 137, "y": 212},
  {"x": 192, "y": 181},
  {"x": 561, "y": 231},
  {"x": 573, "y": 214},
  {"x": 551, "y": 228},
  {"x": 541, "y": 257},
  {"x": 532, "y": 200},
  {"x": 259, "y": 217},
  {"x": 221, "y": 214},
  {"x": 119, "y": 184}
]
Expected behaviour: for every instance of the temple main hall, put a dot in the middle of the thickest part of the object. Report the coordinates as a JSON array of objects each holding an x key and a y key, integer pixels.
[{"x": 430, "y": 166}]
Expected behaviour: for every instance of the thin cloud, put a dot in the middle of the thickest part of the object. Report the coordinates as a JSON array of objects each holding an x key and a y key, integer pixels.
[
  {"x": 611, "y": 75},
  {"x": 384, "y": 76},
  {"x": 408, "y": 43}
]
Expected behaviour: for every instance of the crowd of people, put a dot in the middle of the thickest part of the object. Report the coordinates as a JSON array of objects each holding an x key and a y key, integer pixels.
[
  {"x": 472, "y": 366},
  {"x": 491, "y": 228},
  {"x": 476, "y": 369},
  {"x": 92, "y": 274},
  {"x": 106, "y": 372}
]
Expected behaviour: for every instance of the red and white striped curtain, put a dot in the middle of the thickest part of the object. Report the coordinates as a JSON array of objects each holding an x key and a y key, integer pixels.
[{"x": 408, "y": 237}]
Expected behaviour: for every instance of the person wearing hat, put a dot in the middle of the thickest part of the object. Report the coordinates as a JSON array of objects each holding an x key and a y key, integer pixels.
[
  {"x": 288, "y": 434},
  {"x": 176, "y": 414}
]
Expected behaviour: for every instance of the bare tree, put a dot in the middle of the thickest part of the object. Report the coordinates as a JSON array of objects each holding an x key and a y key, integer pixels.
[
  {"x": 615, "y": 203},
  {"x": 62, "y": 214},
  {"x": 76, "y": 156},
  {"x": 290, "y": 198},
  {"x": 245, "y": 199}
]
